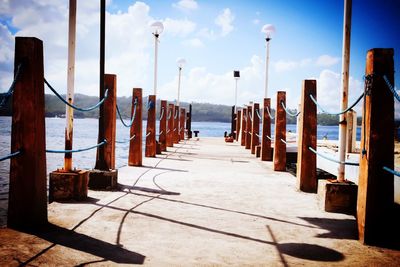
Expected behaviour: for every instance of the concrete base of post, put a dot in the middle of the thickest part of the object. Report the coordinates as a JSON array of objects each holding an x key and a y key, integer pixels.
[
  {"x": 258, "y": 151},
  {"x": 72, "y": 185},
  {"x": 159, "y": 148},
  {"x": 337, "y": 197},
  {"x": 101, "y": 179}
]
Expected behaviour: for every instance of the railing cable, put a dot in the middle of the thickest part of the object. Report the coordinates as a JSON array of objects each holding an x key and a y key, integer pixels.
[
  {"x": 10, "y": 91},
  {"x": 12, "y": 155},
  {"x": 337, "y": 113},
  {"x": 392, "y": 89},
  {"x": 133, "y": 116},
  {"x": 288, "y": 112},
  {"x": 394, "y": 172},
  {"x": 77, "y": 150},
  {"x": 333, "y": 160},
  {"x": 258, "y": 114},
  {"x": 162, "y": 113},
  {"x": 126, "y": 141},
  {"x": 269, "y": 113}
]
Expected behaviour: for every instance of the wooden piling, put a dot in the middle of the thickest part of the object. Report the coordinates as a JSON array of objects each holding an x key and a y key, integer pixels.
[
  {"x": 244, "y": 127},
  {"x": 189, "y": 122},
  {"x": 27, "y": 204},
  {"x": 150, "y": 150},
  {"x": 351, "y": 118},
  {"x": 135, "y": 145},
  {"x": 248, "y": 127},
  {"x": 163, "y": 125},
  {"x": 233, "y": 122},
  {"x": 176, "y": 125},
  {"x": 375, "y": 214},
  {"x": 170, "y": 130},
  {"x": 266, "y": 150},
  {"x": 307, "y": 137},
  {"x": 238, "y": 121},
  {"x": 182, "y": 124},
  {"x": 280, "y": 133},
  {"x": 255, "y": 128}
]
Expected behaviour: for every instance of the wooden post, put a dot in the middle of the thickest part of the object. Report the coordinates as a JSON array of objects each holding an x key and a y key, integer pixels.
[
  {"x": 233, "y": 122},
  {"x": 135, "y": 145},
  {"x": 351, "y": 135},
  {"x": 255, "y": 128},
  {"x": 170, "y": 128},
  {"x": 248, "y": 127},
  {"x": 189, "y": 122},
  {"x": 176, "y": 125},
  {"x": 244, "y": 127},
  {"x": 375, "y": 214},
  {"x": 182, "y": 124},
  {"x": 150, "y": 150},
  {"x": 238, "y": 121},
  {"x": 280, "y": 133},
  {"x": 307, "y": 137},
  {"x": 27, "y": 204},
  {"x": 266, "y": 150},
  {"x": 163, "y": 125}
]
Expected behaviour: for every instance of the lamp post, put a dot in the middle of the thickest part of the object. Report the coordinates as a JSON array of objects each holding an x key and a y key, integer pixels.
[
  {"x": 157, "y": 28},
  {"x": 236, "y": 75},
  {"x": 268, "y": 29},
  {"x": 180, "y": 62}
]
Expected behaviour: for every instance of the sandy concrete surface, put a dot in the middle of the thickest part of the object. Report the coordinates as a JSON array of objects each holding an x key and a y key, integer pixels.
[{"x": 203, "y": 203}]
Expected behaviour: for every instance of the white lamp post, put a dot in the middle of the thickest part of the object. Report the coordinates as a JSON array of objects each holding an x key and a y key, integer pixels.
[
  {"x": 268, "y": 29},
  {"x": 157, "y": 28},
  {"x": 180, "y": 62},
  {"x": 236, "y": 75}
]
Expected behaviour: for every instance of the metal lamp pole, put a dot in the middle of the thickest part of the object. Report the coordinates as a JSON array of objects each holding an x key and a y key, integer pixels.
[
  {"x": 180, "y": 62},
  {"x": 268, "y": 29}
]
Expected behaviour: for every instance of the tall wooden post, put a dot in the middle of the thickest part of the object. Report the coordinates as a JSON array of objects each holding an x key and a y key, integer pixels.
[
  {"x": 176, "y": 125},
  {"x": 255, "y": 128},
  {"x": 351, "y": 118},
  {"x": 307, "y": 137},
  {"x": 280, "y": 133},
  {"x": 244, "y": 127},
  {"x": 189, "y": 122},
  {"x": 182, "y": 124},
  {"x": 135, "y": 145},
  {"x": 27, "y": 204},
  {"x": 248, "y": 127},
  {"x": 163, "y": 126},
  {"x": 266, "y": 150},
  {"x": 238, "y": 121},
  {"x": 233, "y": 122},
  {"x": 375, "y": 214},
  {"x": 150, "y": 150},
  {"x": 170, "y": 128}
]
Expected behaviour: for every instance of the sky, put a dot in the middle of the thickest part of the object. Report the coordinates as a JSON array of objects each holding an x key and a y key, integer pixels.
[{"x": 215, "y": 38}]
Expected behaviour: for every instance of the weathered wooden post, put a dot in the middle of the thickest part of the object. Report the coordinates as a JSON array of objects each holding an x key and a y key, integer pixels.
[
  {"x": 170, "y": 128},
  {"x": 27, "y": 204},
  {"x": 351, "y": 118},
  {"x": 233, "y": 122},
  {"x": 135, "y": 144},
  {"x": 255, "y": 128},
  {"x": 107, "y": 178},
  {"x": 280, "y": 133},
  {"x": 307, "y": 137},
  {"x": 189, "y": 122},
  {"x": 266, "y": 150},
  {"x": 163, "y": 126},
  {"x": 150, "y": 150},
  {"x": 238, "y": 121},
  {"x": 375, "y": 202},
  {"x": 248, "y": 127},
  {"x": 176, "y": 125},
  {"x": 244, "y": 127},
  {"x": 182, "y": 124}
]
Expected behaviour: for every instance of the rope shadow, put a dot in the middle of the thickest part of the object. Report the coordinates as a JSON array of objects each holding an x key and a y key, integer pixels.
[{"x": 337, "y": 228}]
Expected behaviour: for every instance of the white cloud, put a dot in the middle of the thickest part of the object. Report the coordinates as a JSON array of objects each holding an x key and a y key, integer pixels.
[
  {"x": 256, "y": 21},
  {"x": 289, "y": 65},
  {"x": 225, "y": 20},
  {"x": 207, "y": 33},
  {"x": 327, "y": 61},
  {"x": 186, "y": 5},
  {"x": 195, "y": 42},
  {"x": 179, "y": 27}
]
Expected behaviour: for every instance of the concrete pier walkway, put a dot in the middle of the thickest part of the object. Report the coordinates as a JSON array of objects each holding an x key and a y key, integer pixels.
[{"x": 204, "y": 202}]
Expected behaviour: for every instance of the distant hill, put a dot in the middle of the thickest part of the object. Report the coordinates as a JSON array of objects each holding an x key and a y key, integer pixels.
[{"x": 200, "y": 111}]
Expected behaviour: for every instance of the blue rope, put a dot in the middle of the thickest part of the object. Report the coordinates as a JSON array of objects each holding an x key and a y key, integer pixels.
[
  {"x": 126, "y": 141},
  {"x": 391, "y": 171},
  {"x": 333, "y": 160},
  {"x": 395, "y": 94},
  {"x": 75, "y": 107},
  {"x": 170, "y": 114},
  {"x": 11, "y": 89},
  {"x": 150, "y": 105},
  {"x": 176, "y": 114},
  {"x": 269, "y": 113},
  {"x": 269, "y": 137},
  {"x": 338, "y": 113},
  {"x": 251, "y": 116},
  {"x": 12, "y": 155},
  {"x": 288, "y": 112},
  {"x": 162, "y": 113},
  {"x": 133, "y": 116},
  {"x": 283, "y": 141},
  {"x": 258, "y": 114},
  {"x": 77, "y": 150}
]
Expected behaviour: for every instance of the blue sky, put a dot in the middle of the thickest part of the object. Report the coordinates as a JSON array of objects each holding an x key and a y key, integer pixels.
[{"x": 215, "y": 37}]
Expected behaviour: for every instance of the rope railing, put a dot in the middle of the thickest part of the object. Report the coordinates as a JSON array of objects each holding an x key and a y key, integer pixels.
[
  {"x": 126, "y": 141},
  {"x": 6, "y": 96},
  {"x": 168, "y": 131},
  {"x": 258, "y": 114},
  {"x": 333, "y": 160},
  {"x": 12, "y": 155},
  {"x": 73, "y": 106},
  {"x": 337, "y": 113},
  {"x": 161, "y": 133},
  {"x": 149, "y": 133},
  {"x": 162, "y": 113},
  {"x": 150, "y": 105},
  {"x": 269, "y": 113},
  {"x": 176, "y": 114},
  {"x": 250, "y": 116},
  {"x": 283, "y": 141},
  {"x": 133, "y": 116},
  {"x": 269, "y": 137},
  {"x": 257, "y": 135},
  {"x": 394, "y": 172},
  {"x": 170, "y": 114},
  {"x": 288, "y": 112},
  {"x": 102, "y": 143},
  {"x": 391, "y": 88}
]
